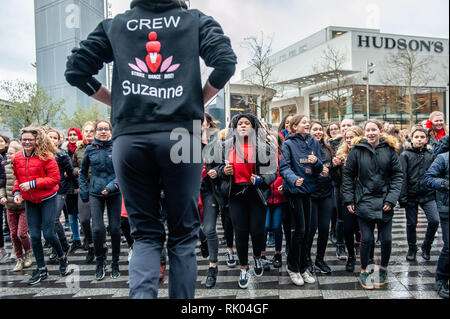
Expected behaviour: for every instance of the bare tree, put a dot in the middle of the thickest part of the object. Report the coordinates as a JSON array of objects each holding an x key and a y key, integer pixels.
[
  {"x": 406, "y": 68},
  {"x": 335, "y": 82},
  {"x": 260, "y": 50}
]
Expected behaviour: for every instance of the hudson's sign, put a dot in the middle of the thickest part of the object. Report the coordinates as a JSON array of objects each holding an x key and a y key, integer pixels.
[{"x": 366, "y": 41}]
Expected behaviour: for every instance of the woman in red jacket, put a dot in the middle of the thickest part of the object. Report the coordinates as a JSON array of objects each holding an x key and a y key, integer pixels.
[{"x": 37, "y": 178}]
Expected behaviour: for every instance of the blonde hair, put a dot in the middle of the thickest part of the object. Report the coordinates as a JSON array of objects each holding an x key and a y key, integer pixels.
[
  {"x": 86, "y": 124},
  {"x": 44, "y": 147},
  {"x": 15, "y": 145},
  {"x": 343, "y": 149}
]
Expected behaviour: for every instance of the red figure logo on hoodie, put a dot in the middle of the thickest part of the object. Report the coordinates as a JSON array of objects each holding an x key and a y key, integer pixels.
[{"x": 153, "y": 60}]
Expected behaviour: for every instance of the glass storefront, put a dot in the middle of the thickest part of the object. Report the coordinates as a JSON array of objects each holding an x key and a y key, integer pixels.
[
  {"x": 387, "y": 103},
  {"x": 243, "y": 103}
]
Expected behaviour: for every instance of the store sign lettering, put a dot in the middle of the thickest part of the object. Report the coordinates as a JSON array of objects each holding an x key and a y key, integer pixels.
[{"x": 401, "y": 44}]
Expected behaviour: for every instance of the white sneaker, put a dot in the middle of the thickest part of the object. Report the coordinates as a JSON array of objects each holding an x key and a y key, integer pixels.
[
  {"x": 3, "y": 256},
  {"x": 308, "y": 278},
  {"x": 296, "y": 278},
  {"x": 130, "y": 253},
  {"x": 243, "y": 278}
]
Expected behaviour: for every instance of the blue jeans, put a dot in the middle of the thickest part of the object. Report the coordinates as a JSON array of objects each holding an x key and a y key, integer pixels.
[
  {"x": 210, "y": 212},
  {"x": 42, "y": 216},
  {"x": 274, "y": 219}
]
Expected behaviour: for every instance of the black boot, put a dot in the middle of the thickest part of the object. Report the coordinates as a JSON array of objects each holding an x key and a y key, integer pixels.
[
  {"x": 90, "y": 257},
  {"x": 211, "y": 277},
  {"x": 426, "y": 253},
  {"x": 412, "y": 251},
  {"x": 100, "y": 269}
]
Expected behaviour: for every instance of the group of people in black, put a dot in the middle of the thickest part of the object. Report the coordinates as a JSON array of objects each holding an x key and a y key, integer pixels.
[{"x": 340, "y": 181}]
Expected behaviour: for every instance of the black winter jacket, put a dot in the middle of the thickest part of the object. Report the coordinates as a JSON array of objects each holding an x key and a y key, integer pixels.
[
  {"x": 437, "y": 178},
  {"x": 415, "y": 162},
  {"x": 268, "y": 171},
  {"x": 323, "y": 183},
  {"x": 373, "y": 178},
  {"x": 67, "y": 184}
]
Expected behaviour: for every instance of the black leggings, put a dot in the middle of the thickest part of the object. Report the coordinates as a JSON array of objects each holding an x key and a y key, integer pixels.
[
  {"x": 321, "y": 210},
  {"x": 385, "y": 235},
  {"x": 351, "y": 228},
  {"x": 227, "y": 226},
  {"x": 248, "y": 215},
  {"x": 125, "y": 227},
  {"x": 300, "y": 208}
]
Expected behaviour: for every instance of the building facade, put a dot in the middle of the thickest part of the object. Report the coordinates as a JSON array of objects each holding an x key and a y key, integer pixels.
[
  {"x": 326, "y": 76},
  {"x": 60, "y": 26}
]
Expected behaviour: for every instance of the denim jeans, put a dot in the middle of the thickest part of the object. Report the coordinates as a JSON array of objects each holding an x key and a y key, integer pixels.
[
  {"x": 85, "y": 220},
  {"x": 42, "y": 216},
  {"x": 59, "y": 229},
  {"x": 432, "y": 214},
  {"x": 210, "y": 213},
  {"x": 113, "y": 206},
  {"x": 442, "y": 266},
  {"x": 274, "y": 220}
]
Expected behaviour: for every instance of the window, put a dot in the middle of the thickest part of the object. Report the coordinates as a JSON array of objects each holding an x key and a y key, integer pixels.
[{"x": 276, "y": 115}]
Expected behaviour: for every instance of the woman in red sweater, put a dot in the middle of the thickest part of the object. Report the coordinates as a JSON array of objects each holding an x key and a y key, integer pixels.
[{"x": 37, "y": 178}]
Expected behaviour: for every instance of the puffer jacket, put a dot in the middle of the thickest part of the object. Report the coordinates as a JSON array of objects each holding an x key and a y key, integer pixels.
[
  {"x": 7, "y": 190},
  {"x": 437, "y": 178},
  {"x": 98, "y": 156},
  {"x": 293, "y": 164},
  {"x": 324, "y": 184},
  {"x": 43, "y": 176},
  {"x": 68, "y": 182},
  {"x": 415, "y": 162},
  {"x": 267, "y": 171},
  {"x": 442, "y": 146},
  {"x": 373, "y": 178}
]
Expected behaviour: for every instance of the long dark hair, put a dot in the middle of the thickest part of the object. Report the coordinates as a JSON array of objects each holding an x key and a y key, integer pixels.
[
  {"x": 283, "y": 123},
  {"x": 322, "y": 140}
]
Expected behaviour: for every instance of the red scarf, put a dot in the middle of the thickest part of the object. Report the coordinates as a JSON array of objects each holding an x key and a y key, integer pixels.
[{"x": 439, "y": 134}]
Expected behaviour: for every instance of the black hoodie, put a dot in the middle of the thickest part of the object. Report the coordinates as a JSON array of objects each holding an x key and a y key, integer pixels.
[{"x": 156, "y": 82}]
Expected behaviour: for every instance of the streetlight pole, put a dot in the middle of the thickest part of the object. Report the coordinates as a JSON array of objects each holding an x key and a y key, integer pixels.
[{"x": 369, "y": 70}]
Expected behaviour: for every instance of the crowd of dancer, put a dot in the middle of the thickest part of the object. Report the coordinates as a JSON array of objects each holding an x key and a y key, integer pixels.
[{"x": 338, "y": 180}]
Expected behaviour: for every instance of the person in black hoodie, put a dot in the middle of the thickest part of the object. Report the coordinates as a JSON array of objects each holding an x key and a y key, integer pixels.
[
  {"x": 249, "y": 170},
  {"x": 156, "y": 90},
  {"x": 321, "y": 203},
  {"x": 372, "y": 184},
  {"x": 415, "y": 160}
]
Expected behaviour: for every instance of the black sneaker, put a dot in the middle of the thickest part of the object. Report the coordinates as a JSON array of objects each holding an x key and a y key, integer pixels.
[
  {"x": 442, "y": 288},
  {"x": 222, "y": 242},
  {"x": 350, "y": 266},
  {"x": 322, "y": 267},
  {"x": 53, "y": 257},
  {"x": 204, "y": 249},
  {"x": 115, "y": 273},
  {"x": 75, "y": 246},
  {"x": 426, "y": 253},
  {"x": 63, "y": 266},
  {"x": 38, "y": 276},
  {"x": 411, "y": 256},
  {"x": 265, "y": 263},
  {"x": 231, "y": 262},
  {"x": 276, "y": 261},
  {"x": 90, "y": 257},
  {"x": 259, "y": 269},
  {"x": 378, "y": 243},
  {"x": 341, "y": 253},
  {"x": 100, "y": 270},
  {"x": 211, "y": 277}
]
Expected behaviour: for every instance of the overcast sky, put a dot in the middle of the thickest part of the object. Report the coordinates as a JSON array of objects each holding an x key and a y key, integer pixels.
[{"x": 288, "y": 21}]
